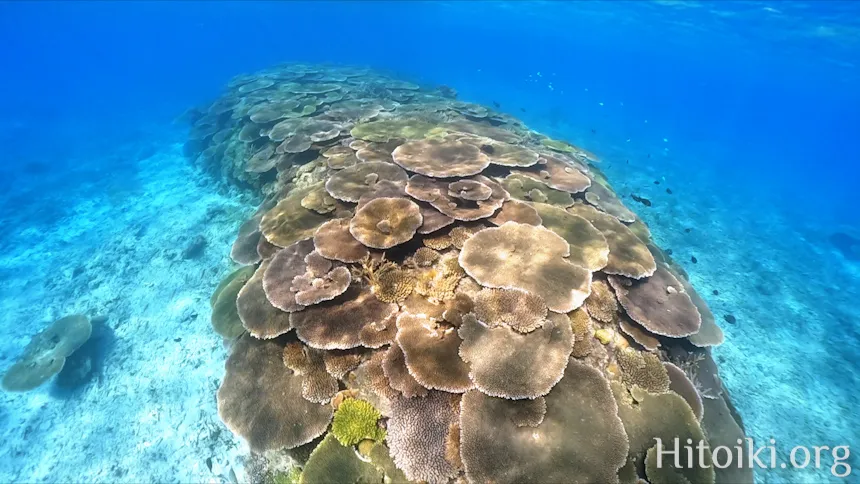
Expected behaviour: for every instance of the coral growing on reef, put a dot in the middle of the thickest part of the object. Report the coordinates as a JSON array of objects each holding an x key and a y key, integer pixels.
[
  {"x": 354, "y": 421},
  {"x": 436, "y": 269}
]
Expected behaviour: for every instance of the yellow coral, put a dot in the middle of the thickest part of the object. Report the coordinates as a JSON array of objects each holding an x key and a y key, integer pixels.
[
  {"x": 644, "y": 370},
  {"x": 604, "y": 335},
  {"x": 393, "y": 285},
  {"x": 438, "y": 242},
  {"x": 440, "y": 281},
  {"x": 459, "y": 235},
  {"x": 356, "y": 420},
  {"x": 580, "y": 323},
  {"x": 601, "y": 303},
  {"x": 425, "y": 257}
]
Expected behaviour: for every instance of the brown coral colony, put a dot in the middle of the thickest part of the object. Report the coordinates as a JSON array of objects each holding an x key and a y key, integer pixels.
[{"x": 432, "y": 257}]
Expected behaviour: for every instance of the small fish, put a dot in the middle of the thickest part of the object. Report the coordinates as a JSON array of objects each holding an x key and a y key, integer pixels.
[
  {"x": 730, "y": 318},
  {"x": 523, "y": 109},
  {"x": 642, "y": 200},
  {"x": 656, "y": 182},
  {"x": 669, "y": 191},
  {"x": 649, "y": 155},
  {"x": 716, "y": 292},
  {"x": 694, "y": 260},
  {"x": 496, "y": 104},
  {"x": 628, "y": 162},
  {"x": 668, "y": 251},
  {"x": 687, "y": 230},
  {"x": 593, "y": 131}
]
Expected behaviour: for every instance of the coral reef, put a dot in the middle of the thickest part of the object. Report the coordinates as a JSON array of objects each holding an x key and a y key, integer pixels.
[{"x": 435, "y": 268}]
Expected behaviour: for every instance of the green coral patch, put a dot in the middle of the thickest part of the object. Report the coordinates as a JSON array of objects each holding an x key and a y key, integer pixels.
[{"x": 356, "y": 420}]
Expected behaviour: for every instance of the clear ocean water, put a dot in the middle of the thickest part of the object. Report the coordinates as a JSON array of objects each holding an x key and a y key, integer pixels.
[{"x": 738, "y": 121}]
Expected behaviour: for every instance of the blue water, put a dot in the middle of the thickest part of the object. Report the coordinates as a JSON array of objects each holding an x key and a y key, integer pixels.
[{"x": 748, "y": 111}]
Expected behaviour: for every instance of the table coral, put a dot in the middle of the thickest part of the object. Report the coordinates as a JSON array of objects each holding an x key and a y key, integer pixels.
[{"x": 435, "y": 268}]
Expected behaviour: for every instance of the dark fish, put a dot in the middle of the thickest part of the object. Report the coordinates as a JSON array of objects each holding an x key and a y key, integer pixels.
[
  {"x": 687, "y": 230},
  {"x": 593, "y": 131},
  {"x": 523, "y": 109},
  {"x": 694, "y": 260},
  {"x": 496, "y": 104},
  {"x": 642, "y": 200},
  {"x": 628, "y": 162},
  {"x": 656, "y": 182},
  {"x": 716, "y": 292},
  {"x": 649, "y": 155},
  {"x": 669, "y": 191},
  {"x": 730, "y": 318}
]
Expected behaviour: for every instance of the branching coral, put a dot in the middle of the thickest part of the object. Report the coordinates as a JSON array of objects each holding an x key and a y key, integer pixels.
[{"x": 389, "y": 282}]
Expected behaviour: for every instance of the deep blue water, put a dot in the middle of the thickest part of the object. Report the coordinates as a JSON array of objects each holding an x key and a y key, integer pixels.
[
  {"x": 751, "y": 107},
  {"x": 765, "y": 89}
]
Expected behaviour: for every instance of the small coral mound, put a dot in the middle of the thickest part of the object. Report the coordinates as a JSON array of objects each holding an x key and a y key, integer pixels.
[
  {"x": 581, "y": 325},
  {"x": 46, "y": 353},
  {"x": 356, "y": 420}
]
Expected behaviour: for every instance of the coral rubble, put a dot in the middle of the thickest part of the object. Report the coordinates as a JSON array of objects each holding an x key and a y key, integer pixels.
[{"x": 471, "y": 296}]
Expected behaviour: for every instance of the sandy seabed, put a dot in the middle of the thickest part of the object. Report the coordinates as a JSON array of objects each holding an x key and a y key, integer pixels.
[{"x": 117, "y": 249}]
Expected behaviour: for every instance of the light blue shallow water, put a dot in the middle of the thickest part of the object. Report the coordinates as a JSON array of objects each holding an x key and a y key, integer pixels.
[{"x": 747, "y": 111}]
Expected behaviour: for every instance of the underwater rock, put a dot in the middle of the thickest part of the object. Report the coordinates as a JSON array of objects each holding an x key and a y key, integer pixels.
[
  {"x": 847, "y": 245},
  {"x": 467, "y": 293},
  {"x": 195, "y": 248}
]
